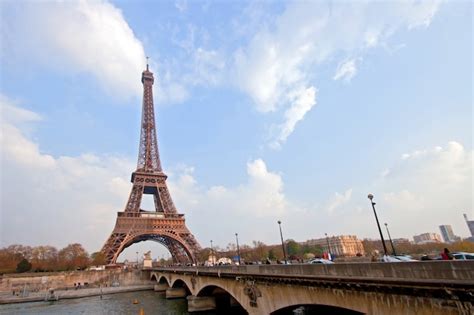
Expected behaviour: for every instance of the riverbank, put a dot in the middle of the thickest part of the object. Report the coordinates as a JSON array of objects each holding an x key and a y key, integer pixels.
[{"x": 8, "y": 298}]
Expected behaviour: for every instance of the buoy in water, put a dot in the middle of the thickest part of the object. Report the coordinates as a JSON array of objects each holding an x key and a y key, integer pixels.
[
  {"x": 135, "y": 301},
  {"x": 142, "y": 312}
]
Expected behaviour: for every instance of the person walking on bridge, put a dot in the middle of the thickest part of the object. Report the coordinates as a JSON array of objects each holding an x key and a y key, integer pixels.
[{"x": 446, "y": 255}]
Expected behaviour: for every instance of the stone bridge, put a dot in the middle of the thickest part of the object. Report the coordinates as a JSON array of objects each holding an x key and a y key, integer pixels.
[{"x": 436, "y": 287}]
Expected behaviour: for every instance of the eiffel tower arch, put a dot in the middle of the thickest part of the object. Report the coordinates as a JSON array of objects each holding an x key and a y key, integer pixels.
[{"x": 164, "y": 224}]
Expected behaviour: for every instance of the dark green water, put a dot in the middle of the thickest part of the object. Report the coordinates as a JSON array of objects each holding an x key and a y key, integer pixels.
[{"x": 120, "y": 303}]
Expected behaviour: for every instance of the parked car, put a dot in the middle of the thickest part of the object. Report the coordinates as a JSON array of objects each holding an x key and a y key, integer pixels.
[
  {"x": 320, "y": 261},
  {"x": 463, "y": 256},
  {"x": 398, "y": 258},
  {"x": 405, "y": 258},
  {"x": 389, "y": 258}
]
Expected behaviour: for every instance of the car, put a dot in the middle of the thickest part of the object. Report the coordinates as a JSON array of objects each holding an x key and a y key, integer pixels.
[
  {"x": 389, "y": 258},
  {"x": 404, "y": 258},
  {"x": 463, "y": 256},
  {"x": 398, "y": 258},
  {"x": 320, "y": 261}
]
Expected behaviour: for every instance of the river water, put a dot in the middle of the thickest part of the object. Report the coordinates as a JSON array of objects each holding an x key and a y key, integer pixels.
[{"x": 121, "y": 303}]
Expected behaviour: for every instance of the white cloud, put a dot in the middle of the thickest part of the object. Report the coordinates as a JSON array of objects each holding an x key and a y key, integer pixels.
[
  {"x": 280, "y": 59},
  {"x": 169, "y": 91},
  {"x": 261, "y": 196},
  {"x": 253, "y": 208},
  {"x": 346, "y": 70},
  {"x": 208, "y": 67},
  {"x": 75, "y": 37},
  {"x": 283, "y": 55},
  {"x": 339, "y": 200},
  {"x": 422, "y": 190},
  {"x": 181, "y": 5},
  {"x": 431, "y": 187},
  {"x": 75, "y": 198},
  {"x": 64, "y": 198},
  {"x": 425, "y": 189},
  {"x": 9, "y": 112},
  {"x": 215, "y": 212},
  {"x": 197, "y": 66},
  {"x": 302, "y": 100}
]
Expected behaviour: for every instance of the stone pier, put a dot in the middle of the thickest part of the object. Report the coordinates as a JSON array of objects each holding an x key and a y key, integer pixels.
[
  {"x": 161, "y": 287},
  {"x": 201, "y": 303},
  {"x": 175, "y": 293}
]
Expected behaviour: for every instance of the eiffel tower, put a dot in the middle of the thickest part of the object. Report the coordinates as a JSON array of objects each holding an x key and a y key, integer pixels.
[{"x": 164, "y": 225}]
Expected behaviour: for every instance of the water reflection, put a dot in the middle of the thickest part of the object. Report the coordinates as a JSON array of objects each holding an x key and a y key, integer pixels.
[{"x": 121, "y": 303}]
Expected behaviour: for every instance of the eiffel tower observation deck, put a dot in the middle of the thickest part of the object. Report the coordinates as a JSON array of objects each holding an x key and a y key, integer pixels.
[{"x": 164, "y": 224}]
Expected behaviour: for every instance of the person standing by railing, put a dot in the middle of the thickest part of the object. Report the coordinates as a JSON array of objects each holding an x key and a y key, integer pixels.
[{"x": 446, "y": 255}]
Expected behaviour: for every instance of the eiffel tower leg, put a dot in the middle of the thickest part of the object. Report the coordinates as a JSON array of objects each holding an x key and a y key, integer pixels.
[
  {"x": 178, "y": 253},
  {"x": 112, "y": 246}
]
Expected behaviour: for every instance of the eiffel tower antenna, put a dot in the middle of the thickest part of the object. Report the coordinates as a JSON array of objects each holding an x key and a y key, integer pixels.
[{"x": 164, "y": 224}]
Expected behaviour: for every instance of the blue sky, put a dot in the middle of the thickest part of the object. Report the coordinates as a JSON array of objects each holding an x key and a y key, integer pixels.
[{"x": 265, "y": 111}]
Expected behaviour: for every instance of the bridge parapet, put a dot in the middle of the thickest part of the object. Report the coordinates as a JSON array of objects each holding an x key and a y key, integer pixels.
[{"x": 441, "y": 270}]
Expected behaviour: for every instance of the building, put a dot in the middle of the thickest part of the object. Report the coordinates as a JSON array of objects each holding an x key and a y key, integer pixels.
[
  {"x": 342, "y": 245},
  {"x": 470, "y": 225},
  {"x": 401, "y": 241},
  {"x": 427, "y": 238},
  {"x": 448, "y": 235}
]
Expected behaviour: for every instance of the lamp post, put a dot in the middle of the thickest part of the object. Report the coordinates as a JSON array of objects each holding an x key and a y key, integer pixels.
[
  {"x": 137, "y": 259},
  {"x": 329, "y": 248},
  {"x": 212, "y": 255},
  {"x": 390, "y": 238},
  {"x": 371, "y": 197},
  {"x": 238, "y": 249},
  {"x": 282, "y": 243}
]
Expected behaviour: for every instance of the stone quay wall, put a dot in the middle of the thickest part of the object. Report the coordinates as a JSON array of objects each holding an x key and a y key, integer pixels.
[{"x": 34, "y": 282}]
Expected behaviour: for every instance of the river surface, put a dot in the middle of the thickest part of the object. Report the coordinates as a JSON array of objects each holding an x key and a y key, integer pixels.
[{"x": 121, "y": 303}]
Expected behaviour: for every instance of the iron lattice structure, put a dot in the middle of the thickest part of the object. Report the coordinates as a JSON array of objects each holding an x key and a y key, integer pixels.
[{"x": 164, "y": 225}]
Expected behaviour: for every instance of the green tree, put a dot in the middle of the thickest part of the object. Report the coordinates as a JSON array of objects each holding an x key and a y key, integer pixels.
[
  {"x": 292, "y": 248},
  {"x": 271, "y": 254},
  {"x": 23, "y": 266}
]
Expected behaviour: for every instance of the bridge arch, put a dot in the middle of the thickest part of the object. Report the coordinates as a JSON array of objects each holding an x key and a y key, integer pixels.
[
  {"x": 206, "y": 288},
  {"x": 181, "y": 283},
  {"x": 225, "y": 300},
  {"x": 209, "y": 289},
  {"x": 159, "y": 278},
  {"x": 163, "y": 280}
]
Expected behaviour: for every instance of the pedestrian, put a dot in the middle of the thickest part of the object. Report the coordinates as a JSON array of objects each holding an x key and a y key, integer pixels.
[{"x": 446, "y": 255}]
